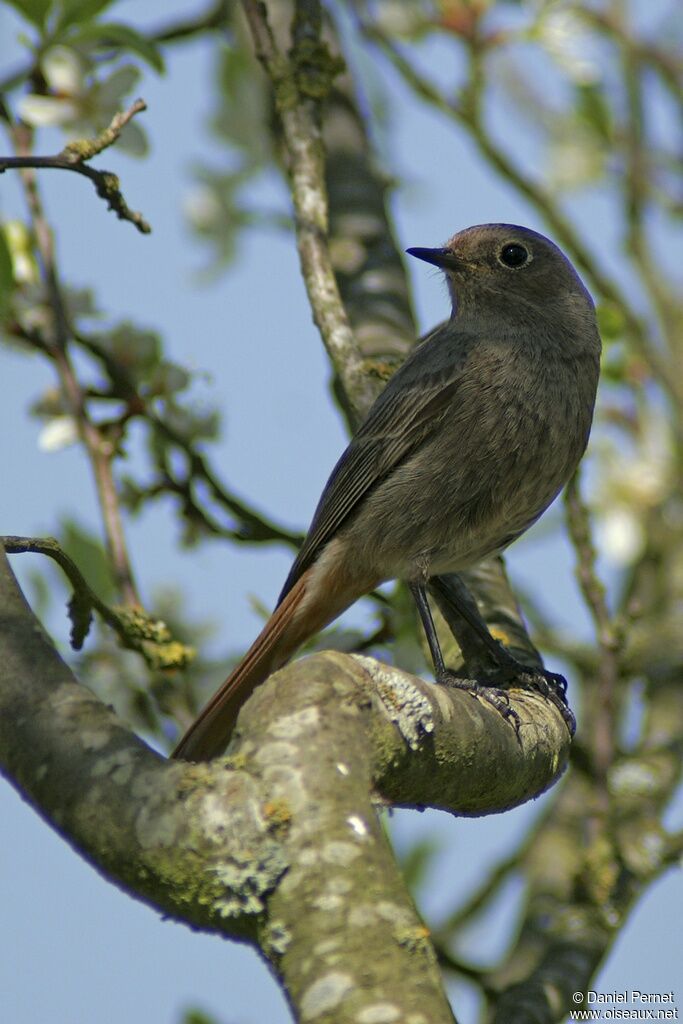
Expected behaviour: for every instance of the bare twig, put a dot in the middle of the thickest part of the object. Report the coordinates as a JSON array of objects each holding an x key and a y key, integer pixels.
[
  {"x": 450, "y": 962},
  {"x": 136, "y": 630},
  {"x": 636, "y": 194},
  {"x": 665, "y": 63},
  {"x": 484, "y": 894},
  {"x": 251, "y": 527},
  {"x": 609, "y": 632},
  {"x": 216, "y": 16},
  {"x": 99, "y": 449},
  {"x": 74, "y": 156}
]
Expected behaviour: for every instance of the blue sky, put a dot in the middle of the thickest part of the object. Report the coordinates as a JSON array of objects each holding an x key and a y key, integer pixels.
[{"x": 75, "y": 949}]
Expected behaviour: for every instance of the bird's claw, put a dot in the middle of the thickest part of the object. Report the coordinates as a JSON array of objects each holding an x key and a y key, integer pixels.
[
  {"x": 492, "y": 695},
  {"x": 551, "y": 685}
]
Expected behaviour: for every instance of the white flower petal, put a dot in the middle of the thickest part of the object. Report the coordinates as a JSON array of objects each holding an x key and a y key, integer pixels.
[
  {"x": 46, "y": 110},
  {"x": 565, "y": 37},
  {"x": 24, "y": 266},
  {"x": 58, "y": 433},
  {"x": 64, "y": 70},
  {"x": 620, "y": 536},
  {"x": 201, "y": 207},
  {"x": 112, "y": 89}
]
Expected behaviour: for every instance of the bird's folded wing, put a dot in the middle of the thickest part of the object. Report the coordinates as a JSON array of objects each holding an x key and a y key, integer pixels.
[{"x": 402, "y": 419}]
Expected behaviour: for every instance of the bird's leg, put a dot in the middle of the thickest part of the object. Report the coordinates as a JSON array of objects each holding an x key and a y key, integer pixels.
[
  {"x": 479, "y": 646},
  {"x": 497, "y": 698},
  {"x": 420, "y": 597},
  {"x": 457, "y": 596}
]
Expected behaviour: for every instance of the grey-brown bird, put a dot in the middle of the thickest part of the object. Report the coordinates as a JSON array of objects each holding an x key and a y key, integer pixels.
[{"x": 465, "y": 448}]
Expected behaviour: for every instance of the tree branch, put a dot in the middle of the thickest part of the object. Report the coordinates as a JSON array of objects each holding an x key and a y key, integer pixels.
[
  {"x": 74, "y": 156},
  {"x": 100, "y": 451},
  {"x": 609, "y": 633},
  {"x": 286, "y": 822},
  {"x": 136, "y": 630},
  {"x": 299, "y": 84}
]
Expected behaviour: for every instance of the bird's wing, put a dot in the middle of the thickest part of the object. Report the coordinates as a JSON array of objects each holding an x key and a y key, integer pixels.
[{"x": 406, "y": 413}]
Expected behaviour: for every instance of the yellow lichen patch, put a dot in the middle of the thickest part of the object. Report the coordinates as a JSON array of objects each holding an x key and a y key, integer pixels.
[
  {"x": 413, "y": 937},
  {"x": 153, "y": 639},
  {"x": 277, "y": 813},
  {"x": 315, "y": 68},
  {"x": 381, "y": 369},
  {"x": 502, "y": 636}
]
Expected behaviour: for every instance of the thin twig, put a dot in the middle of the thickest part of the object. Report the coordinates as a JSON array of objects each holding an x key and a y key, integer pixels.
[
  {"x": 252, "y": 526},
  {"x": 636, "y": 195},
  {"x": 99, "y": 449},
  {"x": 74, "y": 156},
  {"x": 136, "y": 630},
  {"x": 217, "y": 16},
  {"x": 609, "y": 633},
  {"x": 483, "y": 895},
  {"x": 665, "y": 63},
  {"x": 453, "y": 963}
]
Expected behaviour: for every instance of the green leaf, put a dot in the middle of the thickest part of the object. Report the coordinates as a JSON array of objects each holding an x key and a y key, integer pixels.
[
  {"x": 6, "y": 277},
  {"x": 88, "y": 554},
  {"x": 610, "y": 321},
  {"x": 137, "y": 351},
  {"x": 123, "y": 37},
  {"x": 34, "y": 11},
  {"x": 195, "y": 1016},
  {"x": 594, "y": 110},
  {"x": 417, "y": 862},
  {"x": 244, "y": 102},
  {"x": 75, "y": 11},
  {"x": 169, "y": 378}
]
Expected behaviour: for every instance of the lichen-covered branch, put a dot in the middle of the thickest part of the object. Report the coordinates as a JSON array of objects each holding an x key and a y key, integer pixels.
[
  {"x": 300, "y": 82},
  {"x": 280, "y": 844},
  {"x": 74, "y": 157},
  {"x": 364, "y": 251},
  {"x": 135, "y": 629}
]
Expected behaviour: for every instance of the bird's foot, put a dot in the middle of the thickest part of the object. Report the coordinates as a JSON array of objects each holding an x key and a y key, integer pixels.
[
  {"x": 551, "y": 685},
  {"x": 493, "y": 695}
]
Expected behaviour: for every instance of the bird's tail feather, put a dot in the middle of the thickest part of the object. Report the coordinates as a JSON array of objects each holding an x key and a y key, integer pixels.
[{"x": 208, "y": 735}]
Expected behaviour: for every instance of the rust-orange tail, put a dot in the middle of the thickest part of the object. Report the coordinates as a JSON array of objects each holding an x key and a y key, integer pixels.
[{"x": 208, "y": 735}]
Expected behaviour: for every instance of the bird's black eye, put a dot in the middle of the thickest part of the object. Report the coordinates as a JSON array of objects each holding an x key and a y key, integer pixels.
[{"x": 513, "y": 255}]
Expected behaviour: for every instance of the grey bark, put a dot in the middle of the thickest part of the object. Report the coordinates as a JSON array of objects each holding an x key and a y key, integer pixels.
[{"x": 279, "y": 844}]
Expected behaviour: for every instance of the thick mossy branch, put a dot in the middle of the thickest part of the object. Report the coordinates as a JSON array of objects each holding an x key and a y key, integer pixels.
[
  {"x": 446, "y": 748},
  {"x": 286, "y": 823},
  {"x": 163, "y": 829}
]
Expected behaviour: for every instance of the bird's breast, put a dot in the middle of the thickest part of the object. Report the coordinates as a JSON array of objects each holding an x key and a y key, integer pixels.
[{"x": 492, "y": 464}]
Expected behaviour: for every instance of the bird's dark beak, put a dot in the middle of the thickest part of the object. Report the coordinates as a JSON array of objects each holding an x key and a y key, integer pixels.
[{"x": 443, "y": 258}]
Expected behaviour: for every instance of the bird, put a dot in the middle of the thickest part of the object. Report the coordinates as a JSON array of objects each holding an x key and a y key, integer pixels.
[{"x": 467, "y": 445}]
